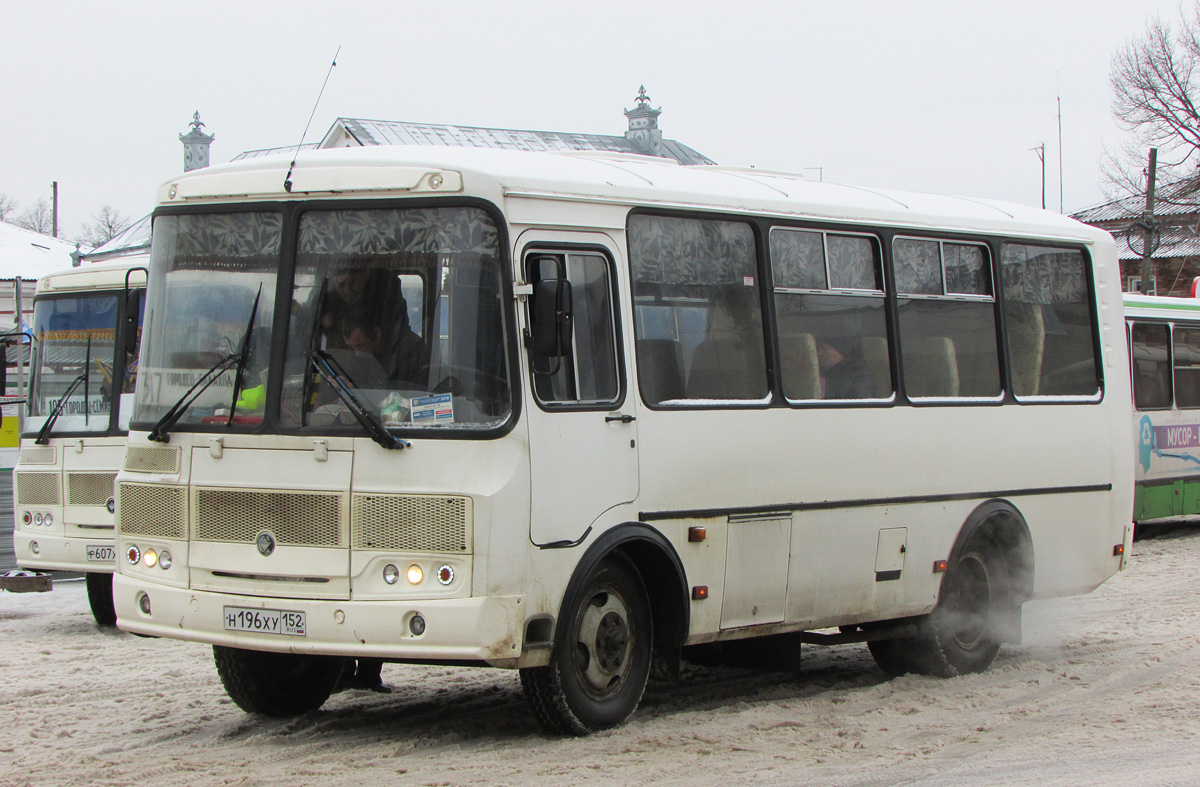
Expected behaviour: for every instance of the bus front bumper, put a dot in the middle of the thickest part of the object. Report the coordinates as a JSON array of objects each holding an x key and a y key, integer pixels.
[
  {"x": 487, "y": 629},
  {"x": 62, "y": 553}
]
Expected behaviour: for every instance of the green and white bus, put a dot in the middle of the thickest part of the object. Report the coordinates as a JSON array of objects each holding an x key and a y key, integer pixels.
[
  {"x": 576, "y": 414},
  {"x": 1164, "y": 350},
  {"x": 82, "y": 373}
]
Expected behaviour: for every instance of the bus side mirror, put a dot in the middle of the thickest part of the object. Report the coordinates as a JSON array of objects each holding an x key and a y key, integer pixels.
[
  {"x": 129, "y": 331},
  {"x": 552, "y": 318}
]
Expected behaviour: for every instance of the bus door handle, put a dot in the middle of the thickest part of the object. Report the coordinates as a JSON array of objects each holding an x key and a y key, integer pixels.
[{"x": 623, "y": 418}]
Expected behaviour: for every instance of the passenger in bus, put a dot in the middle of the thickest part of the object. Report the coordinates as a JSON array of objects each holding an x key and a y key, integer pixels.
[{"x": 844, "y": 373}]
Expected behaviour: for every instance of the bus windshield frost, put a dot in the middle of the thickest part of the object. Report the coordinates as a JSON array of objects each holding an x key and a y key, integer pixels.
[{"x": 588, "y": 416}]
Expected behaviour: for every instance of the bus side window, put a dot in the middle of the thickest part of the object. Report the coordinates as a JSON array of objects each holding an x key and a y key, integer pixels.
[
  {"x": 588, "y": 373},
  {"x": 948, "y": 336},
  {"x": 830, "y": 309},
  {"x": 1049, "y": 323},
  {"x": 1151, "y": 368},
  {"x": 1186, "y": 352},
  {"x": 695, "y": 282}
]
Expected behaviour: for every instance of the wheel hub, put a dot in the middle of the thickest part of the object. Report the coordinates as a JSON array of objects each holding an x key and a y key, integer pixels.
[{"x": 612, "y": 639}]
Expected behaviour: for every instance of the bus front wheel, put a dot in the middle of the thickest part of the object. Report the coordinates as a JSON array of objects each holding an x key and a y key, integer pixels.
[
  {"x": 601, "y": 658},
  {"x": 276, "y": 684},
  {"x": 100, "y": 598},
  {"x": 961, "y": 636}
]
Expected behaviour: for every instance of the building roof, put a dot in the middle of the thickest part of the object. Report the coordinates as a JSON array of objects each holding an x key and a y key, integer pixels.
[
  {"x": 1175, "y": 200},
  {"x": 134, "y": 239},
  {"x": 31, "y": 255},
  {"x": 351, "y": 132},
  {"x": 1173, "y": 242}
]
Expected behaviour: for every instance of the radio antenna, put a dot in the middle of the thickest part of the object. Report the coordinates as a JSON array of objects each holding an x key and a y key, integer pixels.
[{"x": 287, "y": 179}]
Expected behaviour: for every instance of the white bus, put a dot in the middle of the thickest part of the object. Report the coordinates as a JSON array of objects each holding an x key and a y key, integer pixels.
[
  {"x": 575, "y": 414},
  {"x": 82, "y": 373},
  {"x": 1164, "y": 348}
]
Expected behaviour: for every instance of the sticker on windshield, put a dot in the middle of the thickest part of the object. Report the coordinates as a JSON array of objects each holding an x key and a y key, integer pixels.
[{"x": 437, "y": 409}]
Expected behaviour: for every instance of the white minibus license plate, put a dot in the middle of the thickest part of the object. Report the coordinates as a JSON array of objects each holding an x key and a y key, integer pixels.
[
  {"x": 98, "y": 553},
  {"x": 266, "y": 621}
]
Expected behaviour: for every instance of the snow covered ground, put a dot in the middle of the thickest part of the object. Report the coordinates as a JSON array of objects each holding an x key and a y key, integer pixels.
[{"x": 1104, "y": 691}]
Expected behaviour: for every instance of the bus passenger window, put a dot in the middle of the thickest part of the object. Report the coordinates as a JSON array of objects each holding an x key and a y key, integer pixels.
[
  {"x": 947, "y": 319},
  {"x": 588, "y": 373},
  {"x": 830, "y": 309},
  {"x": 1151, "y": 369},
  {"x": 695, "y": 284},
  {"x": 1049, "y": 322},
  {"x": 1186, "y": 352}
]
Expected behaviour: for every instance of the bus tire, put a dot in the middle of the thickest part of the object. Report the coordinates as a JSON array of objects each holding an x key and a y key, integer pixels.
[
  {"x": 276, "y": 684},
  {"x": 961, "y": 636},
  {"x": 100, "y": 598},
  {"x": 601, "y": 659}
]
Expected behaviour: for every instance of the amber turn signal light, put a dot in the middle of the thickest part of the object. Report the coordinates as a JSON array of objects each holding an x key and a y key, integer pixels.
[{"x": 699, "y": 592}]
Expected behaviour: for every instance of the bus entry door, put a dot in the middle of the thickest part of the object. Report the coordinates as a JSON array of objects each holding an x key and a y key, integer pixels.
[{"x": 582, "y": 426}]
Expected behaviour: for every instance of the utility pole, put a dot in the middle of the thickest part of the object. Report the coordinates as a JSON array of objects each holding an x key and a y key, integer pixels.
[
  {"x": 54, "y": 211},
  {"x": 1146, "y": 225}
]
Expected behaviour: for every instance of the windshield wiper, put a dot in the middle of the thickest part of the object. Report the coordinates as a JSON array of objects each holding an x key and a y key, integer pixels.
[
  {"x": 234, "y": 360},
  {"x": 43, "y": 435},
  {"x": 313, "y": 338},
  {"x": 242, "y": 355},
  {"x": 337, "y": 376},
  {"x": 159, "y": 433}
]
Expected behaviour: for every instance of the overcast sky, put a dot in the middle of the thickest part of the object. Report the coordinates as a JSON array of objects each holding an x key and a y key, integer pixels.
[{"x": 922, "y": 95}]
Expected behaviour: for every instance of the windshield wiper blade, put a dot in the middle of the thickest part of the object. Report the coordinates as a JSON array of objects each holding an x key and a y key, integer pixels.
[
  {"x": 159, "y": 433},
  {"x": 337, "y": 376},
  {"x": 313, "y": 339},
  {"x": 243, "y": 353},
  {"x": 43, "y": 435}
]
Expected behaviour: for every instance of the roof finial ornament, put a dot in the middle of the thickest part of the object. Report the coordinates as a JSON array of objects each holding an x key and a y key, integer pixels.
[
  {"x": 642, "y": 98},
  {"x": 196, "y": 123}
]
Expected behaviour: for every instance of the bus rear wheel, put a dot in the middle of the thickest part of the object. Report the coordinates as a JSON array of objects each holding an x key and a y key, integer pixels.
[
  {"x": 961, "y": 636},
  {"x": 601, "y": 658},
  {"x": 100, "y": 598},
  {"x": 276, "y": 684}
]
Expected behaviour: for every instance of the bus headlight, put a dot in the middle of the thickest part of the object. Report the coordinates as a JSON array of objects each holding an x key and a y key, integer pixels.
[
  {"x": 37, "y": 519},
  {"x": 164, "y": 560},
  {"x": 415, "y": 574},
  {"x": 150, "y": 558},
  {"x": 391, "y": 574},
  {"x": 48, "y": 520}
]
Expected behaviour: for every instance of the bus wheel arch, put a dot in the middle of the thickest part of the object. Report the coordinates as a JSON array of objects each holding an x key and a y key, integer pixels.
[
  {"x": 626, "y": 596},
  {"x": 989, "y": 576}
]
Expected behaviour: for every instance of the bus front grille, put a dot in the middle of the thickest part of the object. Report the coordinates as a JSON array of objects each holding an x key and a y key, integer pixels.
[
  {"x": 89, "y": 489},
  {"x": 307, "y": 519},
  {"x": 152, "y": 510},
  {"x": 152, "y": 459},
  {"x": 38, "y": 489},
  {"x": 411, "y": 523}
]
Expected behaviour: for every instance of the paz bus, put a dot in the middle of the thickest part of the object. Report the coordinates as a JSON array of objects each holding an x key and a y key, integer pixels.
[
  {"x": 1164, "y": 349},
  {"x": 579, "y": 414},
  {"x": 82, "y": 373}
]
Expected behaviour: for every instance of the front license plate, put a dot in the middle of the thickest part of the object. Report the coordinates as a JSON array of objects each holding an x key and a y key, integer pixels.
[
  {"x": 265, "y": 621},
  {"x": 98, "y": 553}
]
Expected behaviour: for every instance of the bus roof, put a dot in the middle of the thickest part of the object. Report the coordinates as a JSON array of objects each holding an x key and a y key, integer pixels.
[
  {"x": 613, "y": 178},
  {"x": 106, "y": 276}
]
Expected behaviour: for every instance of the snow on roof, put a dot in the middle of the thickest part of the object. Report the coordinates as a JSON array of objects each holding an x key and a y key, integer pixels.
[
  {"x": 30, "y": 255},
  {"x": 134, "y": 238}
]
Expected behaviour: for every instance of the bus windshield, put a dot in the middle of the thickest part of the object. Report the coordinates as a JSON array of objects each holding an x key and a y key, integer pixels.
[
  {"x": 394, "y": 316},
  {"x": 74, "y": 350}
]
